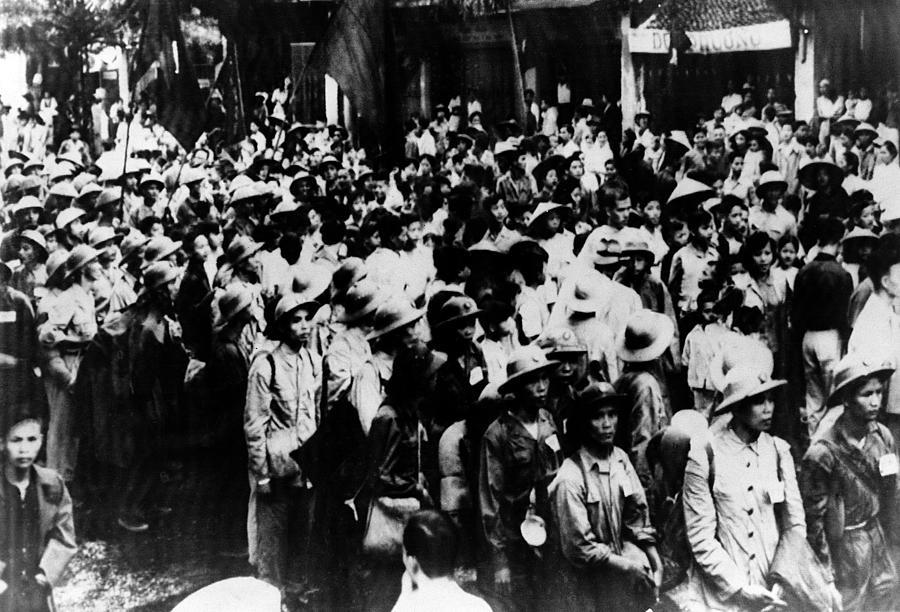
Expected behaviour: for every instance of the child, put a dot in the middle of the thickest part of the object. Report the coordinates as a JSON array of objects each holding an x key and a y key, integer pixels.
[
  {"x": 701, "y": 344},
  {"x": 651, "y": 222},
  {"x": 788, "y": 262},
  {"x": 37, "y": 533},
  {"x": 676, "y": 233},
  {"x": 691, "y": 262}
]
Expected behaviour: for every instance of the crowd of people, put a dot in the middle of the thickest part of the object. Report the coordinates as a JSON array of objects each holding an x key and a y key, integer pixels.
[{"x": 589, "y": 367}]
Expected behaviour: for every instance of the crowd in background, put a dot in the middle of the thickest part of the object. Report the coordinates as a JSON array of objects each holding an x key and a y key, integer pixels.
[{"x": 647, "y": 367}]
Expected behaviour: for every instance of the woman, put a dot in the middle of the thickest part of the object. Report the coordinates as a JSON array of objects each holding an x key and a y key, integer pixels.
[
  {"x": 767, "y": 290},
  {"x": 402, "y": 463},
  {"x": 732, "y": 491},
  {"x": 32, "y": 276},
  {"x": 195, "y": 296},
  {"x": 604, "y": 544}
]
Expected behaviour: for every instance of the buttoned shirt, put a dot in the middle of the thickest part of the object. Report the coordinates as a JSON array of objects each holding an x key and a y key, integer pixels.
[
  {"x": 835, "y": 465},
  {"x": 513, "y": 464},
  {"x": 731, "y": 523},
  {"x": 597, "y": 505},
  {"x": 282, "y": 394}
]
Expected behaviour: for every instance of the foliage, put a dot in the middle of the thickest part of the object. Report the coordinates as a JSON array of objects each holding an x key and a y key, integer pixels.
[{"x": 58, "y": 30}]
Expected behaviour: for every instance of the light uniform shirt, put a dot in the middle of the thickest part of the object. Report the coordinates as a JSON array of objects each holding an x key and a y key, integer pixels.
[
  {"x": 732, "y": 529},
  {"x": 776, "y": 224},
  {"x": 876, "y": 335},
  {"x": 439, "y": 595}
]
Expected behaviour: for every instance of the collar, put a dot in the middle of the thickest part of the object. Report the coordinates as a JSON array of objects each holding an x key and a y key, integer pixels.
[
  {"x": 589, "y": 461},
  {"x": 732, "y": 439},
  {"x": 825, "y": 257}
]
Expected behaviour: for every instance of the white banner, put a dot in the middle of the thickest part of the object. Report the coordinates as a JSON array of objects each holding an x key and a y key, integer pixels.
[{"x": 760, "y": 37}]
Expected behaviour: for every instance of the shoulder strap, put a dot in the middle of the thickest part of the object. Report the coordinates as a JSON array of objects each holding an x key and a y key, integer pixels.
[{"x": 711, "y": 477}]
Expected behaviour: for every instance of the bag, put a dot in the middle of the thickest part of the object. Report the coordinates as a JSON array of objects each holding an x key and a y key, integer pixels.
[
  {"x": 388, "y": 515},
  {"x": 800, "y": 572},
  {"x": 280, "y": 443},
  {"x": 387, "y": 519}
]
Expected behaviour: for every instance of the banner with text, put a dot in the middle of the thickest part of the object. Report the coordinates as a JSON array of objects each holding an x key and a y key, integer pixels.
[{"x": 760, "y": 37}]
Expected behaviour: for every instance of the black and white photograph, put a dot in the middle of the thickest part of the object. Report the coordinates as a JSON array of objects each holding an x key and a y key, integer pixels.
[{"x": 449, "y": 305}]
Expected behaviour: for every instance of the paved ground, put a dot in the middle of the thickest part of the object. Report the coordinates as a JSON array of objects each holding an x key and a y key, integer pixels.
[{"x": 151, "y": 571}]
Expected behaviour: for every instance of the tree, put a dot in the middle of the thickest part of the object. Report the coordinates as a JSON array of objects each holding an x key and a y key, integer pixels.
[{"x": 62, "y": 32}]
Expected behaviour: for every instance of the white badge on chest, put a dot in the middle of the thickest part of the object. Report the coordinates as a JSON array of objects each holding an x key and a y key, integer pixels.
[{"x": 888, "y": 465}]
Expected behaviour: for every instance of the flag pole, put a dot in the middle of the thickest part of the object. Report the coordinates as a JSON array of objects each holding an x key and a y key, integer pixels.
[{"x": 519, "y": 86}]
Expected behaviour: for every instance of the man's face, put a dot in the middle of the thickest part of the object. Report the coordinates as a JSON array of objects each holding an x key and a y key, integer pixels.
[
  {"x": 699, "y": 140},
  {"x": 619, "y": 213},
  {"x": 413, "y": 336},
  {"x": 864, "y": 401},
  {"x": 22, "y": 444},
  {"x": 707, "y": 311},
  {"x": 465, "y": 331},
  {"x": 602, "y": 426},
  {"x": 534, "y": 390},
  {"x": 300, "y": 326}
]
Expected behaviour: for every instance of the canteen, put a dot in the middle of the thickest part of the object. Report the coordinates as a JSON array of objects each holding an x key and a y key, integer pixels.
[{"x": 534, "y": 530}]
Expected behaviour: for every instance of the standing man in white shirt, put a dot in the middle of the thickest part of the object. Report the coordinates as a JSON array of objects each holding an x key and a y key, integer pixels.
[
  {"x": 430, "y": 546},
  {"x": 876, "y": 333}
]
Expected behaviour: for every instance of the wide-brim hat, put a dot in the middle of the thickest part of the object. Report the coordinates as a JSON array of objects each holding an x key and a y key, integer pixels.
[
  {"x": 22, "y": 157},
  {"x": 241, "y": 249},
  {"x": 847, "y": 120},
  {"x": 523, "y": 364},
  {"x": 642, "y": 113},
  {"x": 56, "y": 264},
  {"x": 12, "y": 163},
  {"x": 770, "y": 178},
  {"x": 584, "y": 298},
  {"x": 33, "y": 164},
  {"x": 458, "y": 137},
  {"x": 361, "y": 300},
  {"x": 328, "y": 160},
  {"x": 553, "y": 162},
  {"x": 677, "y": 141},
  {"x": 299, "y": 178},
  {"x": 64, "y": 189},
  {"x": 597, "y": 393},
  {"x": 67, "y": 215},
  {"x": 687, "y": 191},
  {"x": 88, "y": 189},
  {"x": 506, "y": 148},
  {"x": 866, "y": 128},
  {"x": 236, "y": 298},
  {"x": 392, "y": 315},
  {"x": 739, "y": 350},
  {"x": 860, "y": 233},
  {"x": 158, "y": 249},
  {"x": 109, "y": 196},
  {"x": 854, "y": 368},
  {"x": 743, "y": 383},
  {"x": 158, "y": 274},
  {"x": 59, "y": 172},
  {"x": 351, "y": 271},
  {"x": 455, "y": 311},
  {"x": 100, "y": 234},
  {"x": 79, "y": 257},
  {"x": 132, "y": 243},
  {"x": 634, "y": 243},
  {"x": 311, "y": 280},
  {"x": 561, "y": 341},
  {"x": 26, "y": 203},
  {"x": 545, "y": 208},
  {"x": 809, "y": 169},
  {"x": 291, "y": 303},
  {"x": 35, "y": 238},
  {"x": 152, "y": 178},
  {"x": 191, "y": 175},
  {"x": 647, "y": 336}
]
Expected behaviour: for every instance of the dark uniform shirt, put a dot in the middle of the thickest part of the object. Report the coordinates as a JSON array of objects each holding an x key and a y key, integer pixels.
[{"x": 20, "y": 547}]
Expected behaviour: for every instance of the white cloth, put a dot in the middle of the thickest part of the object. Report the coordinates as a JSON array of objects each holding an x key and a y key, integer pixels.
[{"x": 438, "y": 595}]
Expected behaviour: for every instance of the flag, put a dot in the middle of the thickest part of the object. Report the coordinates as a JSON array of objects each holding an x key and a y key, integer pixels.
[
  {"x": 357, "y": 51},
  {"x": 163, "y": 70}
]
